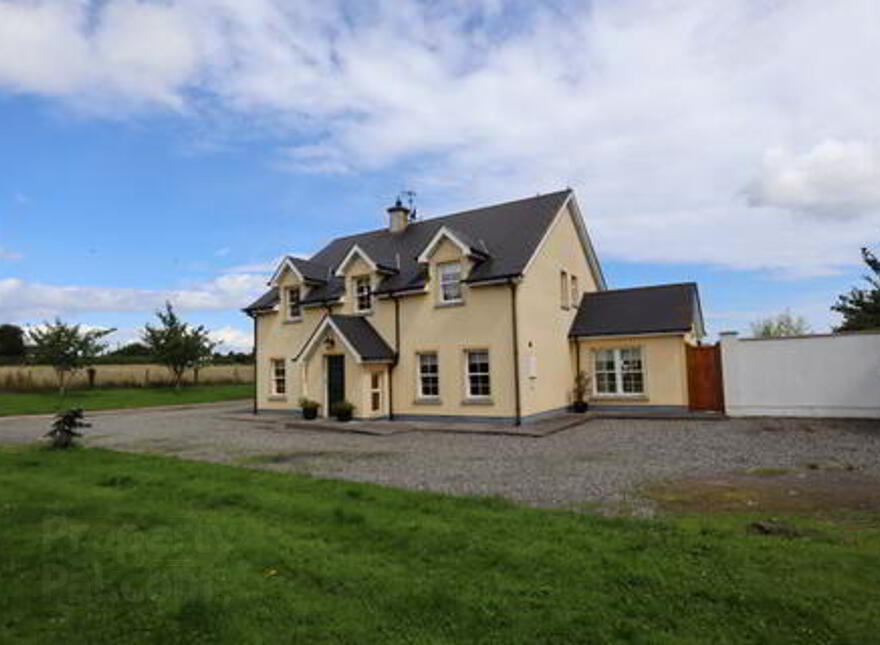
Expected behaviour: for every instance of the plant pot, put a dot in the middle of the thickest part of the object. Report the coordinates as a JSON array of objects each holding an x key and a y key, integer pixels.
[
  {"x": 580, "y": 406},
  {"x": 310, "y": 413},
  {"x": 343, "y": 415}
]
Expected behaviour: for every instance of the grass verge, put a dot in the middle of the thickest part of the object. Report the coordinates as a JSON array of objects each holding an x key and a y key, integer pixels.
[
  {"x": 97, "y": 546},
  {"x": 116, "y": 398}
]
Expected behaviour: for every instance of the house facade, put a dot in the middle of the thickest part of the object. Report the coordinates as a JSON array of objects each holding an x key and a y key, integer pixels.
[{"x": 486, "y": 314}]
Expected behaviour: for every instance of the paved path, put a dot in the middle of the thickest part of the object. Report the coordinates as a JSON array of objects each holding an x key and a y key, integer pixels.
[{"x": 598, "y": 462}]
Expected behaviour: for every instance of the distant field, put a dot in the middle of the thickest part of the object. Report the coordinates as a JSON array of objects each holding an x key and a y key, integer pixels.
[
  {"x": 115, "y": 398},
  {"x": 22, "y": 379}
]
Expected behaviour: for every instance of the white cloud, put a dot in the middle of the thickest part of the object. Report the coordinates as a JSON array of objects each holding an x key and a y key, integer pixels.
[
  {"x": 232, "y": 338},
  {"x": 694, "y": 132},
  {"x": 142, "y": 52},
  {"x": 21, "y": 300},
  {"x": 835, "y": 178}
]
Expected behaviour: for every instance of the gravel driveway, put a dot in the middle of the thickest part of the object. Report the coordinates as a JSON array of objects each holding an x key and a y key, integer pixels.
[{"x": 599, "y": 463}]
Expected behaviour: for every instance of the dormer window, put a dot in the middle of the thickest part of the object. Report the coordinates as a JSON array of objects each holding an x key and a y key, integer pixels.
[
  {"x": 450, "y": 281},
  {"x": 294, "y": 309},
  {"x": 363, "y": 294}
]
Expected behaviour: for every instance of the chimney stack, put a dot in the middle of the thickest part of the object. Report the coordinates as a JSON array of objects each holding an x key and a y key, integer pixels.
[{"x": 398, "y": 217}]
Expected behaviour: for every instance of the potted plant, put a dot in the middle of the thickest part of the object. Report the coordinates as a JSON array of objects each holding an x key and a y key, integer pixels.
[
  {"x": 309, "y": 408},
  {"x": 343, "y": 411},
  {"x": 580, "y": 392}
]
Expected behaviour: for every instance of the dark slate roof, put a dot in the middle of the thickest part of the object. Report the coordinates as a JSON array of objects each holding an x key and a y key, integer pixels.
[
  {"x": 264, "y": 302},
  {"x": 311, "y": 271},
  {"x": 510, "y": 232},
  {"x": 363, "y": 337},
  {"x": 475, "y": 247},
  {"x": 640, "y": 310}
]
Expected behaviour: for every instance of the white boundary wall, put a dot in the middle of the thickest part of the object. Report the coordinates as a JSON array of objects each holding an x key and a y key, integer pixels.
[{"x": 834, "y": 375}]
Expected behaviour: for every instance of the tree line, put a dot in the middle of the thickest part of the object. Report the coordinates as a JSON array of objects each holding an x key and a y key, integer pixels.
[{"x": 68, "y": 348}]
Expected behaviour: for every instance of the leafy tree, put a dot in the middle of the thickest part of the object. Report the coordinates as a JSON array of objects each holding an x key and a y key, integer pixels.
[
  {"x": 860, "y": 308},
  {"x": 131, "y": 349},
  {"x": 11, "y": 341},
  {"x": 67, "y": 348},
  {"x": 177, "y": 344},
  {"x": 782, "y": 325}
]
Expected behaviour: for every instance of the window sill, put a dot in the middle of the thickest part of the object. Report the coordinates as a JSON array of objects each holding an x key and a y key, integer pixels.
[
  {"x": 363, "y": 313},
  {"x": 486, "y": 400},
  {"x": 620, "y": 397},
  {"x": 292, "y": 321},
  {"x": 434, "y": 400},
  {"x": 277, "y": 397},
  {"x": 452, "y": 303}
]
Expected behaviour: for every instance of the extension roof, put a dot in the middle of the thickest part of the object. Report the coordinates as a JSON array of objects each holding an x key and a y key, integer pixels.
[
  {"x": 504, "y": 238},
  {"x": 665, "y": 308},
  {"x": 357, "y": 332}
]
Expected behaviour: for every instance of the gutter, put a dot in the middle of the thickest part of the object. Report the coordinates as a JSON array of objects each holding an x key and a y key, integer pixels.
[
  {"x": 516, "y": 385},
  {"x": 254, "y": 318},
  {"x": 396, "y": 357}
]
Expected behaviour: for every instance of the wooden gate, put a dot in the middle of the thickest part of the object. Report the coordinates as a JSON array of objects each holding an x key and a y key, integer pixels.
[{"x": 705, "y": 385}]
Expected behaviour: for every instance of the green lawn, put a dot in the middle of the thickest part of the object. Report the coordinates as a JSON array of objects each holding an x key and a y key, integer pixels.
[
  {"x": 103, "y": 547},
  {"x": 113, "y": 398}
]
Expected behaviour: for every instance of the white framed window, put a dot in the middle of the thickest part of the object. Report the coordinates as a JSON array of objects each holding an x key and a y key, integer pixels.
[
  {"x": 563, "y": 289},
  {"x": 450, "y": 281},
  {"x": 294, "y": 309},
  {"x": 478, "y": 382},
  {"x": 429, "y": 375},
  {"x": 363, "y": 294},
  {"x": 619, "y": 371},
  {"x": 279, "y": 377},
  {"x": 376, "y": 391},
  {"x": 575, "y": 294}
]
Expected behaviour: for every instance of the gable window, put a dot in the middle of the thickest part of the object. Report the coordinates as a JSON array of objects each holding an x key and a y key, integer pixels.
[
  {"x": 478, "y": 374},
  {"x": 279, "y": 380},
  {"x": 619, "y": 371},
  {"x": 294, "y": 310},
  {"x": 429, "y": 375},
  {"x": 450, "y": 281},
  {"x": 563, "y": 289},
  {"x": 363, "y": 294},
  {"x": 575, "y": 294}
]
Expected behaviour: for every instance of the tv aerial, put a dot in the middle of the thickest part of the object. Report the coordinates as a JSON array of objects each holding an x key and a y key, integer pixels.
[{"x": 410, "y": 197}]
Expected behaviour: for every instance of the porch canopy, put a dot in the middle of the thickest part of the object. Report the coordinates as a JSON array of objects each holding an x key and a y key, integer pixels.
[{"x": 359, "y": 336}]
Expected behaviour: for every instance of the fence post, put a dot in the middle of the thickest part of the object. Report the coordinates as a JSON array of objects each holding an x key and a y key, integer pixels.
[{"x": 729, "y": 369}]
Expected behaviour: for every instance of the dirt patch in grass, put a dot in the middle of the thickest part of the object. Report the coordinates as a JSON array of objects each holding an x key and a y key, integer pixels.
[
  {"x": 819, "y": 492},
  {"x": 278, "y": 458}
]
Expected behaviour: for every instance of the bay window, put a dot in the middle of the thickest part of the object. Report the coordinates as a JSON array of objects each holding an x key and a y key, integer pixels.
[{"x": 619, "y": 371}]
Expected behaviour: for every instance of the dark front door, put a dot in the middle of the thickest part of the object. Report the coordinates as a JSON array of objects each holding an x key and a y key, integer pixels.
[
  {"x": 705, "y": 385},
  {"x": 335, "y": 381}
]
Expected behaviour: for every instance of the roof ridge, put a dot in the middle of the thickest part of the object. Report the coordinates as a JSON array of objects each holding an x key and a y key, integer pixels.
[
  {"x": 643, "y": 288},
  {"x": 450, "y": 215}
]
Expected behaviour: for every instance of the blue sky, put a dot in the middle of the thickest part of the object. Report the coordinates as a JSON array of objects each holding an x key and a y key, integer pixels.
[{"x": 175, "y": 150}]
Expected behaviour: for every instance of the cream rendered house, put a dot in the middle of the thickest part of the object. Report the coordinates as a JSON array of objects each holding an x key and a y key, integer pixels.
[{"x": 486, "y": 314}]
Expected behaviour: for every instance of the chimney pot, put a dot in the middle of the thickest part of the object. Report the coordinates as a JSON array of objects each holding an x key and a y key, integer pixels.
[{"x": 398, "y": 217}]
